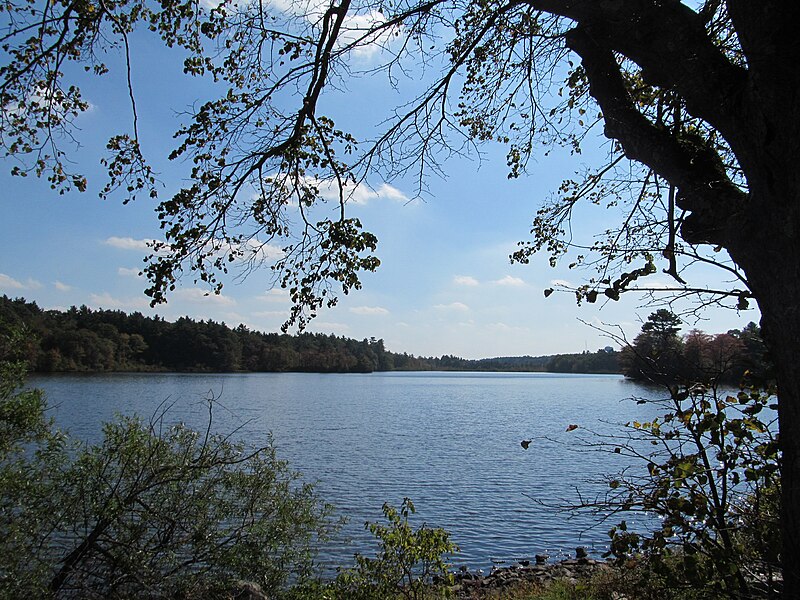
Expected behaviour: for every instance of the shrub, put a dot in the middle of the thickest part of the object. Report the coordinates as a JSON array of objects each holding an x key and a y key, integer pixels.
[
  {"x": 712, "y": 479},
  {"x": 410, "y": 563},
  {"x": 152, "y": 511}
]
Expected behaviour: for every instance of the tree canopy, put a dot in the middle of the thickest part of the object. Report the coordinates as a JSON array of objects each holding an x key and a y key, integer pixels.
[
  {"x": 263, "y": 156},
  {"x": 85, "y": 340},
  {"x": 155, "y": 510}
]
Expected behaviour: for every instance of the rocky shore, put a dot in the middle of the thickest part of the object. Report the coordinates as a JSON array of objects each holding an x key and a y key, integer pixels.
[
  {"x": 500, "y": 580},
  {"x": 480, "y": 585}
]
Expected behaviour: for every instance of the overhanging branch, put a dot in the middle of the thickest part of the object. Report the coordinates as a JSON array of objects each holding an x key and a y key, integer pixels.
[
  {"x": 669, "y": 42},
  {"x": 683, "y": 160}
]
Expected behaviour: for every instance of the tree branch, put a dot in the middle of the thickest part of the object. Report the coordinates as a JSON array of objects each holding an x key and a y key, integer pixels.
[
  {"x": 683, "y": 160},
  {"x": 669, "y": 42}
]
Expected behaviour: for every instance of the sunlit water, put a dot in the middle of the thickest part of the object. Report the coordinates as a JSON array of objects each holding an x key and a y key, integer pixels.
[{"x": 448, "y": 441}]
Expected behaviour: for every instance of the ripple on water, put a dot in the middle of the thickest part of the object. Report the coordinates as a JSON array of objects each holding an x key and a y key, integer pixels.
[{"x": 451, "y": 442}]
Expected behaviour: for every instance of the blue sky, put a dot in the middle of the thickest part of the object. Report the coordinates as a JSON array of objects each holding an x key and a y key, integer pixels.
[{"x": 445, "y": 286}]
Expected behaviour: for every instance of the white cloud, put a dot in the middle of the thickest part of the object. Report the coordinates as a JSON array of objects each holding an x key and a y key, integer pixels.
[
  {"x": 369, "y": 310},
  {"x": 127, "y": 243},
  {"x": 126, "y": 272},
  {"x": 323, "y": 327},
  {"x": 361, "y": 193},
  {"x": 465, "y": 280},
  {"x": 260, "y": 251},
  {"x": 455, "y": 306},
  {"x": 510, "y": 281},
  {"x": 107, "y": 301},
  {"x": 500, "y": 327},
  {"x": 62, "y": 287},
  {"x": 252, "y": 250},
  {"x": 283, "y": 314},
  {"x": 353, "y": 28},
  {"x": 656, "y": 284},
  {"x": 313, "y": 10},
  {"x": 9, "y": 283},
  {"x": 198, "y": 296},
  {"x": 274, "y": 295}
]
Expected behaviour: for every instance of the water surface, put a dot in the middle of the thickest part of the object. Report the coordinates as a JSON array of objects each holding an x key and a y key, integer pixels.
[{"x": 449, "y": 441}]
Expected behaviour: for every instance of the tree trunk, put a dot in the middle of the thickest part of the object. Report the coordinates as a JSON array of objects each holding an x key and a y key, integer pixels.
[
  {"x": 781, "y": 326},
  {"x": 769, "y": 253}
]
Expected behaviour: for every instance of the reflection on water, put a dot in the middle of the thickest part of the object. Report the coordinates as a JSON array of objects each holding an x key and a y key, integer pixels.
[{"x": 449, "y": 441}]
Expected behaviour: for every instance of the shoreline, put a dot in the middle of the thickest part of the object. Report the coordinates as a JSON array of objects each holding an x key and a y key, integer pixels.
[{"x": 570, "y": 570}]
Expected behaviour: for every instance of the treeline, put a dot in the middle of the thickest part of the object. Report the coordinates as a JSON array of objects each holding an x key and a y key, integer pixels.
[
  {"x": 660, "y": 355},
  {"x": 85, "y": 340},
  {"x": 605, "y": 360}
]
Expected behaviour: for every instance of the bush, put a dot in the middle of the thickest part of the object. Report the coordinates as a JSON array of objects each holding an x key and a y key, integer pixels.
[
  {"x": 713, "y": 481},
  {"x": 410, "y": 564},
  {"x": 152, "y": 511}
]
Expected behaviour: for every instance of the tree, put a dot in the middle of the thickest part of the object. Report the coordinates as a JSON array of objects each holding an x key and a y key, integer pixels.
[
  {"x": 720, "y": 358},
  {"x": 658, "y": 355},
  {"x": 410, "y": 564},
  {"x": 697, "y": 98},
  {"x": 757, "y": 359},
  {"x": 662, "y": 325},
  {"x": 29, "y": 447},
  {"x": 655, "y": 354}
]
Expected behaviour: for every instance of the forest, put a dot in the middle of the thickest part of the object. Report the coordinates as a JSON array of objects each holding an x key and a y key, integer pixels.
[
  {"x": 86, "y": 340},
  {"x": 661, "y": 356},
  {"x": 82, "y": 339}
]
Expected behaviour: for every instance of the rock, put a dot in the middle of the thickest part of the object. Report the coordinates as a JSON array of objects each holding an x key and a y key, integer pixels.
[
  {"x": 580, "y": 552},
  {"x": 247, "y": 590},
  {"x": 496, "y": 583}
]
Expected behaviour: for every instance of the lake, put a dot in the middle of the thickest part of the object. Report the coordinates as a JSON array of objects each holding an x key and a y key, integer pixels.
[{"x": 448, "y": 441}]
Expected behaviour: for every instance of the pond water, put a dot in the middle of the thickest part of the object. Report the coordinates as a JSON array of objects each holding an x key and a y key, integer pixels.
[{"x": 448, "y": 441}]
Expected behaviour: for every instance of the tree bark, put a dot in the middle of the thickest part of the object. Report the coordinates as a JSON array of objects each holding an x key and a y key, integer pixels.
[
  {"x": 770, "y": 259},
  {"x": 784, "y": 341}
]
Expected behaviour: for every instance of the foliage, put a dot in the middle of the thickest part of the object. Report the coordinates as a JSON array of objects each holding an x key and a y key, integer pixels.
[
  {"x": 152, "y": 511},
  {"x": 656, "y": 350},
  {"x": 562, "y": 590},
  {"x": 692, "y": 95},
  {"x": 82, "y": 339},
  {"x": 605, "y": 360},
  {"x": 30, "y": 450},
  {"x": 713, "y": 482},
  {"x": 410, "y": 563},
  {"x": 262, "y": 155},
  {"x": 659, "y": 355},
  {"x": 558, "y": 589}
]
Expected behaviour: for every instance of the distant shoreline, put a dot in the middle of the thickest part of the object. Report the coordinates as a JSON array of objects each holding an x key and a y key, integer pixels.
[
  {"x": 83, "y": 340},
  {"x": 240, "y": 372}
]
